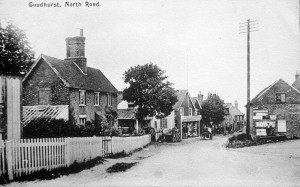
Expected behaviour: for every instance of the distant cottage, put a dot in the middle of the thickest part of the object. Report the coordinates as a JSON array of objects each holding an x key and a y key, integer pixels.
[{"x": 85, "y": 90}]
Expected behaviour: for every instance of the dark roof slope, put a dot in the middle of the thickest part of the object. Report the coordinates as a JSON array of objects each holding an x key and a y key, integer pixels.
[
  {"x": 72, "y": 76},
  {"x": 180, "y": 97},
  {"x": 195, "y": 101},
  {"x": 268, "y": 95}
]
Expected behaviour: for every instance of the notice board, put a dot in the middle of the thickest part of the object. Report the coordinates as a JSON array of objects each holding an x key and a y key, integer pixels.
[{"x": 281, "y": 125}]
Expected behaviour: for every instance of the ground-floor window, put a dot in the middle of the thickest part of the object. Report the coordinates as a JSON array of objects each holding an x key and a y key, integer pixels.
[
  {"x": 163, "y": 123},
  {"x": 82, "y": 119}
]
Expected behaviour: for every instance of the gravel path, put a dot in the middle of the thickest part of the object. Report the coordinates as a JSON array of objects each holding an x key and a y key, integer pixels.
[{"x": 195, "y": 162}]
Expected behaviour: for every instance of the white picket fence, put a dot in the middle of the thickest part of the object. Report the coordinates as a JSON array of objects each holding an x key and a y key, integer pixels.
[{"x": 26, "y": 156}]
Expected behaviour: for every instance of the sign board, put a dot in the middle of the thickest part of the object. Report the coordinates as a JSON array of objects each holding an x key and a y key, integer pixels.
[
  {"x": 272, "y": 117},
  {"x": 264, "y": 123},
  {"x": 257, "y": 117},
  {"x": 281, "y": 125},
  {"x": 261, "y": 132}
]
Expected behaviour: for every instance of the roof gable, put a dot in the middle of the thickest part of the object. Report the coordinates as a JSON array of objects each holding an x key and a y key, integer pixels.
[
  {"x": 181, "y": 96},
  {"x": 268, "y": 95},
  {"x": 73, "y": 77}
]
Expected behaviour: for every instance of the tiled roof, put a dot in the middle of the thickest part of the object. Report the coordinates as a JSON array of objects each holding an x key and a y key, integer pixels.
[
  {"x": 195, "y": 99},
  {"x": 45, "y": 111},
  {"x": 180, "y": 97},
  {"x": 233, "y": 110},
  {"x": 126, "y": 113},
  {"x": 72, "y": 76}
]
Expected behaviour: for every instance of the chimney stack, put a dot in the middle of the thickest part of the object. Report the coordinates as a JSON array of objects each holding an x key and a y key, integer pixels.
[
  {"x": 75, "y": 48},
  {"x": 200, "y": 97},
  {"x": 296, "y": 75},
  {"x": 236, "y": 104}
]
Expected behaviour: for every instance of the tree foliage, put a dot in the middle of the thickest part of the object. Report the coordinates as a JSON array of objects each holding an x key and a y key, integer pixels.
[
  {"x": 16, "y": 56},
  {"x": 150, "y": 91},
  {"x": 213, "y": 109}
]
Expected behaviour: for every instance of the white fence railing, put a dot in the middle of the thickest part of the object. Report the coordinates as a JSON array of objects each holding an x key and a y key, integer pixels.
[
  {"x": 128, "y": 144},
  {"x": 26, "y": 156}
]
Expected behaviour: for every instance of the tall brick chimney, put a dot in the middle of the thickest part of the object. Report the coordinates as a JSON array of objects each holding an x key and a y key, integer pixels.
[
  {"x": 296, "y": 75},
  {"x": 236, "y": 104},
  {"x": 75, "y": 48}
]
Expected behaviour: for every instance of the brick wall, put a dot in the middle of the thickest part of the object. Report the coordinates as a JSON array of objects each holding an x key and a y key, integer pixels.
[
  {"x": 90, "y": 108},
  {"x": 44, "y": 77},
  {"x": 288, "y": 112}
]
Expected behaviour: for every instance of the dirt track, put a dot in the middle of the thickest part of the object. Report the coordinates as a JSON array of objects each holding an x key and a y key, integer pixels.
[{"x": 196, "y": 162}]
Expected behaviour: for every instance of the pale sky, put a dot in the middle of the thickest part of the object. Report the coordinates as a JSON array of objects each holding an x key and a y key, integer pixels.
[{"x": 197, "y": 42}]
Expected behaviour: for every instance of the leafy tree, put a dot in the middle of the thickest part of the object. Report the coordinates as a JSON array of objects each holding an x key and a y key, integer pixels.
[
  {"x": 16, "y": 56},
  {"x": 213, "y": 109},
  {"x": 149, "y": 91}
]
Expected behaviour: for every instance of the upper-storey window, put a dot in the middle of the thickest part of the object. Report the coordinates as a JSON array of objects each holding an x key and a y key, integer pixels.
[
  {"x": 190, "y": 111},
  {"x": 44, "y": 96},
  {"x": 82, "y": 97},
  {"x": 97, "y": 98},
  {"x": 181, "y": 111},
  {"x": 109, "y": 100},
  {"x": 280, "y": 98}
]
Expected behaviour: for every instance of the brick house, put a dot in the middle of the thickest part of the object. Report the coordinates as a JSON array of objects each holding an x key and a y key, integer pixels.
[
  {"x": 86, "y": 90},
  {"x": 278, "y": 105}
]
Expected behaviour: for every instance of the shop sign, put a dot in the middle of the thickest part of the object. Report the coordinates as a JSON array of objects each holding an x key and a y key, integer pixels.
[
  {"x": 272, "y": 117},
  {"x": 261, "y": 132},
  {"x": 264, "y": 123},
  {"x": 281, "y": 125},
  {"x": 257, "y": 117}
]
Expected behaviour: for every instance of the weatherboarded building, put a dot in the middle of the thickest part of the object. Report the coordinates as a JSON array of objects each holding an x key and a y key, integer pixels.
[
  {"x": 278, "y": 105},
  {"x": 85, "y": 90}
]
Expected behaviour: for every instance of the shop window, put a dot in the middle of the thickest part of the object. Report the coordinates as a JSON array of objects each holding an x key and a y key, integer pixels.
[
  {"x": 280, "y": 98},
  {"x": 44, "y": 96},
  {"x": 163, "y": 123},
  {"x": 82, "y": 97},
  {"x": 97, "y": 98}
]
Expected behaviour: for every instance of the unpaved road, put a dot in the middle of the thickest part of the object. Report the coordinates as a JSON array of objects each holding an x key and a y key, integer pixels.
[{"x": 195, "y": 162}]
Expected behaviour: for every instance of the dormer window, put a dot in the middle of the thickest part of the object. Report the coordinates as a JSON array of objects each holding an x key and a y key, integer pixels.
[
  {"x": 280, "y": 98},
  {"x": 82, "y": 98}
]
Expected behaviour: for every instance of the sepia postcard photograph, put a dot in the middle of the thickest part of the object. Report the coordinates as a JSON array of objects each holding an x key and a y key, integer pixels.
[{"x": 149, "y": 93}]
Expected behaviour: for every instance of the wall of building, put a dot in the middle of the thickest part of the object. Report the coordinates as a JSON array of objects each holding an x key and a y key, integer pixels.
[
  {"x": 170, "y": 122},
  {"x": 288, "y": 112},
  {"x": 44, "y": 77},
  {"x": 90, "y": 108}
]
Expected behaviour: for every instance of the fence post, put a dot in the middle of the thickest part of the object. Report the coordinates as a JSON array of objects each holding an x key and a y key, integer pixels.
[
  {"x": 9, "y": 159},
  {"x": 67, "y": 152}
]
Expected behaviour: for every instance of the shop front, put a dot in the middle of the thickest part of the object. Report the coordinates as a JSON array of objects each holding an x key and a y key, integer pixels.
[{"x": 191, "y": 126}]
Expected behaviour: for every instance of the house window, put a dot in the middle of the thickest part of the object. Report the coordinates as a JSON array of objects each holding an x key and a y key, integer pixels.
[
  {"x": 82, "y": 119},
  {"x": 155, "y": 124},
  {"x": 280, "y": 98},
  {"x": 82, "y": 97},
  {"x": 109, "y": 100},
  {"x": 97, "y": 98},
  {"x": 44, "y": 96},
  {"x": 190, "y": 112},
  {"x": 163, "y": 123},
  {"x": 181, "y": 111}
]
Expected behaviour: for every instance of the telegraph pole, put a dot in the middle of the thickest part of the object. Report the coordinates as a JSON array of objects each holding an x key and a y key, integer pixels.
[{"x": 248, "y": 27}]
